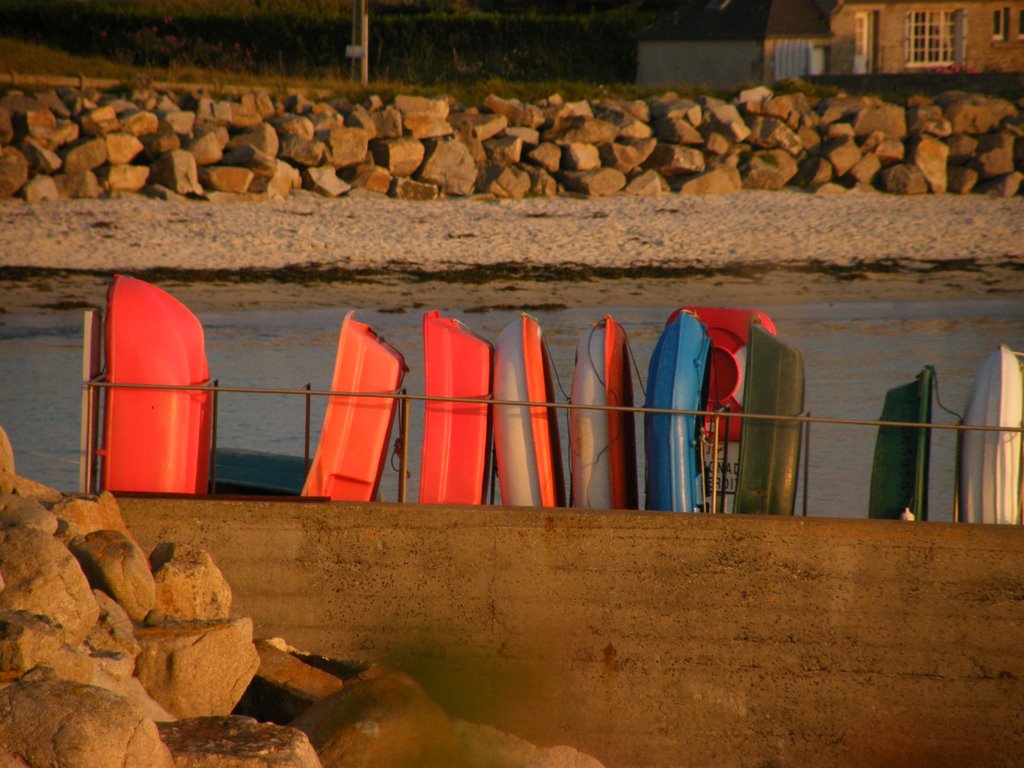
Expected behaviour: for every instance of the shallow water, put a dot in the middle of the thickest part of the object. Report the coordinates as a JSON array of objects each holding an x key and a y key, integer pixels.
[{"x": 853, "y": 354}]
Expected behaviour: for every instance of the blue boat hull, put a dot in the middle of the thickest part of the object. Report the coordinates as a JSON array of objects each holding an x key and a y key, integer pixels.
[{"x": 677, "y": 379}]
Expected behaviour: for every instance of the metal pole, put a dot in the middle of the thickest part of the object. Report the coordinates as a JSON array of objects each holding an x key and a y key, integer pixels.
[
  {"x": 714, "y": 467},
  {"x": 305, "y": 451},
  {"x": 213, "y": 440},
  {"x": 807, "y": 460},
  {"x": 403, "y": 477},
  {"x": 91, "y": 348}
]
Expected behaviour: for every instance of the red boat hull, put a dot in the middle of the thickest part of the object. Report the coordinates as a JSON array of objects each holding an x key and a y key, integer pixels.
[{"x": 154, "y": 441}]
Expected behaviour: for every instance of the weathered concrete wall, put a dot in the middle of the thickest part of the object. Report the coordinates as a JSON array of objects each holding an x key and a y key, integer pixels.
[{"x": 652, "y": 639}]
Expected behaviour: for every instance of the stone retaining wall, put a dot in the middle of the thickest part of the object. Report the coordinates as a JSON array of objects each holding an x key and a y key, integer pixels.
[
  {"x": 650, "y": 639},
  {"x": 75, "y": 142}
]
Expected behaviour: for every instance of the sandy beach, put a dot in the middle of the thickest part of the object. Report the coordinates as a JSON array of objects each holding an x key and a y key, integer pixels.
[{"x": 476, "y": 253}]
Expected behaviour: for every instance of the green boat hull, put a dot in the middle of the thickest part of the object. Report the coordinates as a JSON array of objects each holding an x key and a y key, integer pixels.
[
  {"x": 769, "y": 460},
  {"x": 899, "y": 475}
]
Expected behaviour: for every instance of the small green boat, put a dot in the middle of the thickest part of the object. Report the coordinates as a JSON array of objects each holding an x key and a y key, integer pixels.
[
  {"x": 244, "y": 472},
  {"x": 769, "y": 460},
  {"x": 899, "y": 476}
]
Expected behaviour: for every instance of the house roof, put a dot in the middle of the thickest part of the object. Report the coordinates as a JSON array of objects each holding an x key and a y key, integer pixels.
[{"x": 740, "y": 20}]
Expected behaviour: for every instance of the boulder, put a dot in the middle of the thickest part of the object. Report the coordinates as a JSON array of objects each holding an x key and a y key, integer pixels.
[
  {"x": 284, "y": 686},
  {"x": 385, "y": 721},
  {"x": 509, "y": 181},
  {"x": 1001, "y": 186},
  {"x": 584, "y": 130},
  {"x": 230, "y": 179},
  {"x": 6, "y": 126},
  {"x": 547, "y": 155},
  {"x": 236, "y": 742},
  {"x": 621, "y": 157},
  {"x": 256, "y": 160},
  {"x": 961, "y": 148},
  {"x": 542, "y": 183},
  {"x": 928, "y": 118},
  {"x": 768, "y": 169},
  {"x": 40, "y": 189},
  {"x": 674, "y": 159},
  {"x": 85, "y": 154},
  {"x": 80, "y": 185},
  {"x": 196, "y": 668},
  {"x": 207, "y": 149},
  {"x": 599, "y": 182},
  {"x": 930, "y": 155},
  {"x": 114, "y": 632},
  {"x": 400, "y": 157},
  {"x": 91, "y": 513},
  {"x": 515, "y": 111},
  {"x": 177, "y": 171},
  {"x": 903, "y": 179},
  {"x": 122, "y": 178},
  {"x": 40, "y": 159},
  {"x": 40, "y": 576},
  {"x": 864, "y": 171},
  {"x": 160, "y": 142},
  {"x": 960, "y": 179},
  {"x": 302, "y": 152},
  {"x": 487, "y": 747},
  {"x": 529, "y": 136},
  {"x": 449, "y": 165},
  {"x": 411, "y": 105},
  {"x": 426, "y": 125},
  {"x": 843, "y": 154},
  {"x": 675, "y": 129},
  {"x": 279, "y": 184},
  {"x": 387, "y": 123},
  {"x": 580, "y": 157},
  {"x": 890, "y": 119},
  {"x": 372, "y": 178},
  {"x": 139, "y": 123},
  {"x": 345, "y": 146},
  {"x": 56, "y": 722},
  {"x": 262, "y": 136},
  {"x": 974, "y": 114},
  {"x": 994, "y": 155},
  {"x": 481, "y": 127},
  {"x": 688, "y": 109},
  {"x": 290, "y": 125},
  {"x": 27, "y": 640},
  {"x": 179, "y": 121},
  {"x": 809, "y": 138},
  {"x": 7, "y": 466},
  {"x": 122, "y": 148},
  {"x": 18, "y": 510},
  {"x": 324, "y": 181},
  {"x": 99, "y": 121},
  {"x": 405, "y": 188},
  {"x": 726, "y": 119},
  {"x": 773, "y": 133},
  {"x": 720, "y": 180},
  {"x": 503, "y": 150},
  {"x": 814, "y": 171},
  {"x": 646, "y": 184},
  {"x": 113, "y": 563}
]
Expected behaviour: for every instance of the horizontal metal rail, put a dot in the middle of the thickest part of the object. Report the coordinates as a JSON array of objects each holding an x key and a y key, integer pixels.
[{"x": 398, "y": 395}]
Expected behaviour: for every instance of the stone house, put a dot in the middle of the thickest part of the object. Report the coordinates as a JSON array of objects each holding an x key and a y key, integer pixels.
[{"x": 720, "y": 43}]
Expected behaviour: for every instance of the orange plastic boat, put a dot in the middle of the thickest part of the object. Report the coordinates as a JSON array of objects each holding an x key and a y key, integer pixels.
[
  {"x": 456, "y": 436},
  {"x": 350, "y": 456},
  {"x": 153, "y": 440},
  {"x": 526, "y": 438}
]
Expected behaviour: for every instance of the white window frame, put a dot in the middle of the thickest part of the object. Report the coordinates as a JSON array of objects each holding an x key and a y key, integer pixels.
[
  {"x": 1001, "y": 24},
  {"x": 930, "y": 39},
  {"x": 865, "y": 24}
]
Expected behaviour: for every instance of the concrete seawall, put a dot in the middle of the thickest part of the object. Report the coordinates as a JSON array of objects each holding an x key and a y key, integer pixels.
[{"x": 651, "y": 639}]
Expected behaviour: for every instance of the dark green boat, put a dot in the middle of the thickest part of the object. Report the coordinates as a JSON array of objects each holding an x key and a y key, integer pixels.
[
  {"x": 243, "y": 472},
  {"x": 899, "y": 476},
  {"x": 769, "y": 460}
]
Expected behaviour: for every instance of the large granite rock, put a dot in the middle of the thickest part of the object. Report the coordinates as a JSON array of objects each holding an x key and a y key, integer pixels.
[
  {"x": 385, "y": 721},
  {"x": 450, "y": 166},
  {"x": 400, "y": 157},
  {"x": 196, "y": 668},
  {"x": 720, "y": 180},
  {"x": 114, "y": 564},
  {"x": 769, "y": 169},
  {"x": 487, "y": 747},
  {"x": 599, "y": 182},
  {"x": 40, "y": 576},
  {"x": 903, "y": 179},
  {"x": 930, "y": 156},
  {"x": 176, "y": 170},
  {"x": 284, "y": 686},
  {"x": 236, "y": 742},
  {"x": 61, "y": 723},
  {"x": 674, "y": 159}
]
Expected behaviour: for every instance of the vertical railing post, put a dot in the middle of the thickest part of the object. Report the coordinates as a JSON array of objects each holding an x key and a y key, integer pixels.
[
  {"x": 213, "y": 439},
  {"x": 807, "y": 459},
  {"x": 403, "y": 464},
  {"x": 714, "y": 465},
  {"x": 91, "y": 355},
  {"x": 305, "y": 452}
]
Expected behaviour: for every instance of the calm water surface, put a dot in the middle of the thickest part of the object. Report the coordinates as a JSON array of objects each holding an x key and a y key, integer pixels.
[{"x": 853, "y": 353}]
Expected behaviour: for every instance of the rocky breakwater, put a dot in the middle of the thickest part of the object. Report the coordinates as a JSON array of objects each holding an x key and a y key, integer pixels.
[
  {"x": 110, "y": 657},
  {"x": 83, "y": 143}
]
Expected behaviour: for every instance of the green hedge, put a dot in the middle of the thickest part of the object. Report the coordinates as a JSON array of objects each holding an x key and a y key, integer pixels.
[{"x": 416, "y": 48}]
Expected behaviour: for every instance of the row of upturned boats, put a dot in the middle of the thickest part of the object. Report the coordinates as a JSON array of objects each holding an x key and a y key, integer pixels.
[{"x": 720, "y": 384}]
